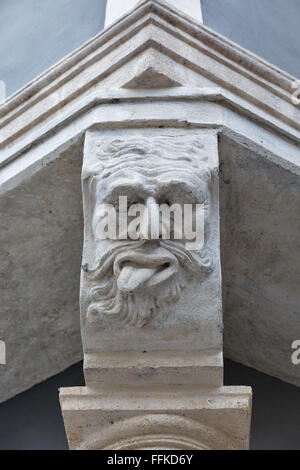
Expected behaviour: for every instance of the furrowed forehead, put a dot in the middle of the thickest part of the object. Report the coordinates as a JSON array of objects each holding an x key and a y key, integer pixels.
[{"x": 149, "y": 156}]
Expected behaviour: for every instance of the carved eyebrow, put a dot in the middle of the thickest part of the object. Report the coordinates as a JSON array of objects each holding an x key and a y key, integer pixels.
[
  {"x": 191, "y": 188},
  {"x": 122, "y": 189}
]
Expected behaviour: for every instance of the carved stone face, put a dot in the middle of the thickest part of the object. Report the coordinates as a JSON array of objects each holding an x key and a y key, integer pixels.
[{"x": 131, "y": 280}]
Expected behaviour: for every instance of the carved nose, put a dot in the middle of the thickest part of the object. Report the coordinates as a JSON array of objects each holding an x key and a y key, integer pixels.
[{"x": 151, "y": 227}]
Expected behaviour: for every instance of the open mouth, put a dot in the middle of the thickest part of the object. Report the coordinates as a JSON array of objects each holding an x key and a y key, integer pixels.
[{"x": 136, "y": 270}]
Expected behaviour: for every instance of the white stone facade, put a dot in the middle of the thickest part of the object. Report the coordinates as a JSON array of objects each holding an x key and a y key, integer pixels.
[
  {"x": 155, "y": 74},
  {"x": 151, "y": 309}
]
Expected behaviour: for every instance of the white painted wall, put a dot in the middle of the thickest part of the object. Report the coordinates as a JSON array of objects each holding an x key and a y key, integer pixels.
[{"x": 117, "y": 8}]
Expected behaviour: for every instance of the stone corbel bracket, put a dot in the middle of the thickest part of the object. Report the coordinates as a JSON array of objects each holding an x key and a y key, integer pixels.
[
  {"x": 154, "y": 69},
  {"x": 151, "y": 313}
]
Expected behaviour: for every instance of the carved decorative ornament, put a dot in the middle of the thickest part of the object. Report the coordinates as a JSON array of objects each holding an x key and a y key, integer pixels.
[{"x": 131, "y": 279}]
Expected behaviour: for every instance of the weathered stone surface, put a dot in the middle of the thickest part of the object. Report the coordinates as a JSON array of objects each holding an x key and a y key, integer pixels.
[
  {"x": 169, "y": 292},
  {"x": 189, "y": 419},
  {"x": 223, "y": 87},
  {"x": 41, "y": 239},
  {"x": 127, "y": 369},
  {"x": 260, "y": 207},
  {"x": 151, "y": 296}
]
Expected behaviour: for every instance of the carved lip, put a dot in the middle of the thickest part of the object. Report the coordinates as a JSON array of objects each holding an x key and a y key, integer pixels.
[{"x": 140, "y": 269}]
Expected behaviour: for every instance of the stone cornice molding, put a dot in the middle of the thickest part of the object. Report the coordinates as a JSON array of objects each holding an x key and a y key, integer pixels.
[
  {"x": 148, "y": 34},
  {"x": 151, "y": 11},
  {"x": 213, "y": 108}
]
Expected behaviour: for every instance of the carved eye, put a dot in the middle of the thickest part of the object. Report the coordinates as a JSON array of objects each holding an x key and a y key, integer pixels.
[{"x": 167, "y": 202}]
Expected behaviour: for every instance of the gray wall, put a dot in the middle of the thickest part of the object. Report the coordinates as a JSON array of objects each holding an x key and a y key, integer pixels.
[
  {"x": 269, "y": 28},
  {"x": 34, "y": 34}
]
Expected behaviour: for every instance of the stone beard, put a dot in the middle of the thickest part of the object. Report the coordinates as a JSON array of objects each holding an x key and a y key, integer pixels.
[{"x": 130, "y": 281}]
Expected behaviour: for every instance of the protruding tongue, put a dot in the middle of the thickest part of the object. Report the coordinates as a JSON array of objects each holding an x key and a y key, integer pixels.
[{"x": 133, "y": 277}]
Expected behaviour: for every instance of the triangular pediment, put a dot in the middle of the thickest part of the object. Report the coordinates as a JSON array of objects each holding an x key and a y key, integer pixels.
[
  {"x": 151, "y": 78},
  {"x": 154, "y": 46}
]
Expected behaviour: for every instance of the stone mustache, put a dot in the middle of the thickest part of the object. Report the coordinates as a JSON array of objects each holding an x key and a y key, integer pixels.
[{"x": 131, "y": 281}]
